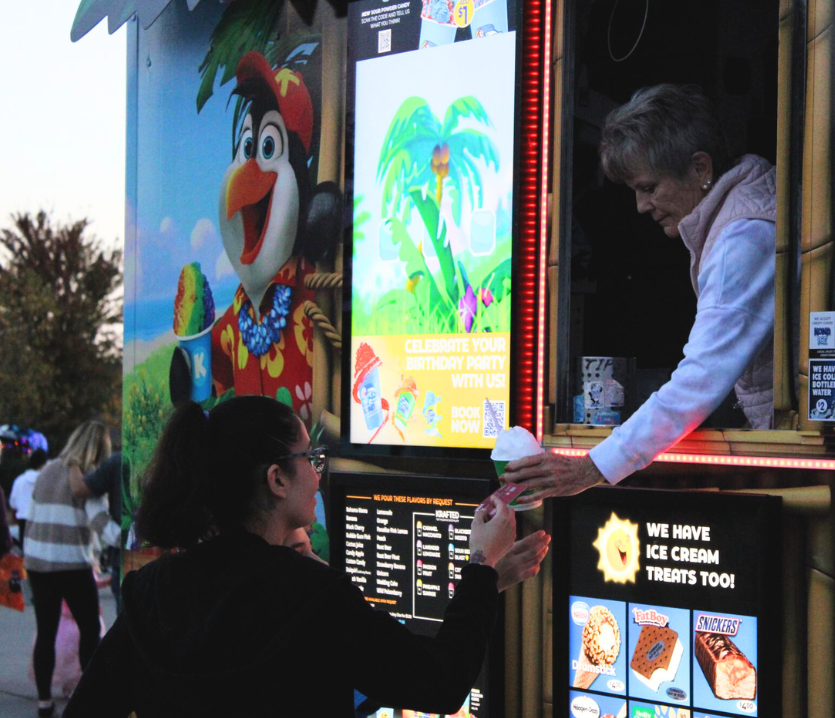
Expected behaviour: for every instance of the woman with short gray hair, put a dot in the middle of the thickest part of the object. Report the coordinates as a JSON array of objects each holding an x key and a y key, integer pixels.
[
  {"x": 660, "y": 129},
  {"x": 666, "y": 144}
]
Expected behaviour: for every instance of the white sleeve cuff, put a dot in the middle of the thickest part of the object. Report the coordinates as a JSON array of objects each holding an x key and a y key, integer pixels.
[{"x": 613, "y": 461}]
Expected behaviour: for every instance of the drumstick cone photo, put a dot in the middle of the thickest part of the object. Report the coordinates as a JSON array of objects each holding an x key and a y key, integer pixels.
[{"x": 584, "y": 676}]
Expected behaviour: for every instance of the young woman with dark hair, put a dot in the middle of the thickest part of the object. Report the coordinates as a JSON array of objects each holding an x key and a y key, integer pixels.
[{"x": 240, "y": 624}]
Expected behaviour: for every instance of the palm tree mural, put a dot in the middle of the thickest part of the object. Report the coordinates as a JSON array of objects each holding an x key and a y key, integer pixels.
[
  {"x": 420, "y": 159},
  {"x": 244, "y": 26},
  {"x": 255, "y": 25},
  {"x": 421, "y": 151}
]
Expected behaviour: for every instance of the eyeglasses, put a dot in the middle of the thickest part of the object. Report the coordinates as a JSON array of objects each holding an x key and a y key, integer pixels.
[{"x": 317, "y": 457}]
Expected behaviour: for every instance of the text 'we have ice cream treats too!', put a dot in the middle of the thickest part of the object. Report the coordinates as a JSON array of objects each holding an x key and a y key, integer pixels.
[{"x": 515, "y": 443}]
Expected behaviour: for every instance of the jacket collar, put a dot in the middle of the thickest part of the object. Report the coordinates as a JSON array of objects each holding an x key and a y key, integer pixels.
[{"x": 694, "y": 228}]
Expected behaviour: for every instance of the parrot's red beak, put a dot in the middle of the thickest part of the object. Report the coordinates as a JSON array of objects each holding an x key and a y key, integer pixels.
[{"x": 250, "y": 192}]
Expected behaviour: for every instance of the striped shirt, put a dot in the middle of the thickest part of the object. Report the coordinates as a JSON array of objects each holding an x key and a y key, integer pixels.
[{"x": 60, "y": 530}]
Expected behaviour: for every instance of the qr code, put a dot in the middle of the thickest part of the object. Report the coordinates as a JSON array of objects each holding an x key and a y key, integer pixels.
[
  {"x": 384, "y": 41},
  {"x": 490, "y": 428}
]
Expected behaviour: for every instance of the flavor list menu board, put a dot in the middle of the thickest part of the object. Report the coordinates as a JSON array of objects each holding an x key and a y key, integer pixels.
[
  {"x": 671, "y": 604},
  {"x": 430, "y": 162},
  {"x": 405, "y": 551}
]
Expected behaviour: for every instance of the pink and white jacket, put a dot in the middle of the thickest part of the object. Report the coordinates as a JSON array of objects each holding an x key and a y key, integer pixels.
[{"x": 731, "y": 236}]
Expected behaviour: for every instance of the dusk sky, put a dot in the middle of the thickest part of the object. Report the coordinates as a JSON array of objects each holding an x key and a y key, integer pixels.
[{"x": 62, "y": 125}]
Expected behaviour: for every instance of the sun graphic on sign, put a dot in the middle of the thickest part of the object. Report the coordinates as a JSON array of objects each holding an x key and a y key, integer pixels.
[{"x": 619, "y": 548}]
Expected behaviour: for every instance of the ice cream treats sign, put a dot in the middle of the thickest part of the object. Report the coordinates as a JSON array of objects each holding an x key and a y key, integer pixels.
[
  {"x": 672, "y": 602},
  {"x": 432, "y": 107}
]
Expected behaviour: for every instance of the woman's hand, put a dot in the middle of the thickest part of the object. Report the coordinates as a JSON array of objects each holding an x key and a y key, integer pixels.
[
  {"x": 552, "y": 475},
  {"x": 492, "y": 538},
  {"x": 523, "y": 560}
]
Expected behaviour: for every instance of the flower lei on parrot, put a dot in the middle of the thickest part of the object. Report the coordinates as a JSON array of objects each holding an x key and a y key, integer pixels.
[{"x": 260, "y": 336}]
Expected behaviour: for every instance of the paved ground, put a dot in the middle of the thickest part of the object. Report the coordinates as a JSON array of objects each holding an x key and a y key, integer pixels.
[{"x": 18, "y": 698}]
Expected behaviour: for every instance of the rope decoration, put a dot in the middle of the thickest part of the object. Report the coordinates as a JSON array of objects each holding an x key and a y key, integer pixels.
[
  {"x": 323, "y": 280},
  {"x": 313, "y": 312}
]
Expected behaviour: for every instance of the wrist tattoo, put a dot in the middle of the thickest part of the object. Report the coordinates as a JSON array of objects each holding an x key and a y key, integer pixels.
[{"x": 478, "y": 557}]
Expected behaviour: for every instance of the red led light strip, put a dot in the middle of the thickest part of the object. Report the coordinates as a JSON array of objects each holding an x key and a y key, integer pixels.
[
  {"x": 533, "y": 195},
  {"x": 766, "y": 462},
  {"x": 543, "y": 221}
]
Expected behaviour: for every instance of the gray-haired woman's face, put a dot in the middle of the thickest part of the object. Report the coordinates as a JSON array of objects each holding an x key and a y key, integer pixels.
[{"x": 668, "y": 199}]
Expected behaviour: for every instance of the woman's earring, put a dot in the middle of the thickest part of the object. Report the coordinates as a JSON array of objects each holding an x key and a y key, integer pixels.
[{"x": 706, "y": 185}]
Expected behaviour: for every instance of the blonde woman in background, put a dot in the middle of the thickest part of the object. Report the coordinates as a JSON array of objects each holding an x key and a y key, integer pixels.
[{"x": 59, "y": 554}]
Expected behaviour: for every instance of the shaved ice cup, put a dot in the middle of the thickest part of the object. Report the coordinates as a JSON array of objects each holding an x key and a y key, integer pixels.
[
  {"x": 435, "y": 33},
  {"x": 490, "y": 18},
  {"x": 198, "y": 350},
  {"x": 500, "y": 465},
  {"x": 515, "y": 503},
  {"x": 372, "y": 406}
]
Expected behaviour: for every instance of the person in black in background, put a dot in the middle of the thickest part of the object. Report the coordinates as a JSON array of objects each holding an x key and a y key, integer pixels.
[
  {"x": 239, "y": 624},
  {"x": 106, "y": 479},
  {"x": 12, "y": 462},
  {"x": 5, "y": 537}
]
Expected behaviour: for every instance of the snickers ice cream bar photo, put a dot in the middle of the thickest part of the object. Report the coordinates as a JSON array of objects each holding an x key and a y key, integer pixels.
[{"x": 725, "y": 662}]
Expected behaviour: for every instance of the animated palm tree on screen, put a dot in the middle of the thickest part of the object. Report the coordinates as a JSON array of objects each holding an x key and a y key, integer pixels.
[{"x": 420, "y": 158}]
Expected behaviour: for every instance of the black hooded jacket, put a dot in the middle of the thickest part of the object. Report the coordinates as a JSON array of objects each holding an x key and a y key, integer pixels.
[{"x": 237, "y": 627}]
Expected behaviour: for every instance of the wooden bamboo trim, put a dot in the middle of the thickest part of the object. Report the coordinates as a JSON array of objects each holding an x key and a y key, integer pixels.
[{"x": 801, "y": 500}]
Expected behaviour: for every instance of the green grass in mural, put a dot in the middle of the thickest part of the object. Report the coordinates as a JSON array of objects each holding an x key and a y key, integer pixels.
[{"x": 146, "y": 408}]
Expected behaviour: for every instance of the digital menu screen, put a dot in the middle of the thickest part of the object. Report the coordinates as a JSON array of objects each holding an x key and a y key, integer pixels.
[
  {"x": 667, "y": 604},
  {"x": 432, "y": 117},
  {"x": 405, "y": 550}
]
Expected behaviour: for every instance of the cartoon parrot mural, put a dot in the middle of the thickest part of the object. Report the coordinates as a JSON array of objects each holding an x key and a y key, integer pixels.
[{"x": 274, "y": 225}]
